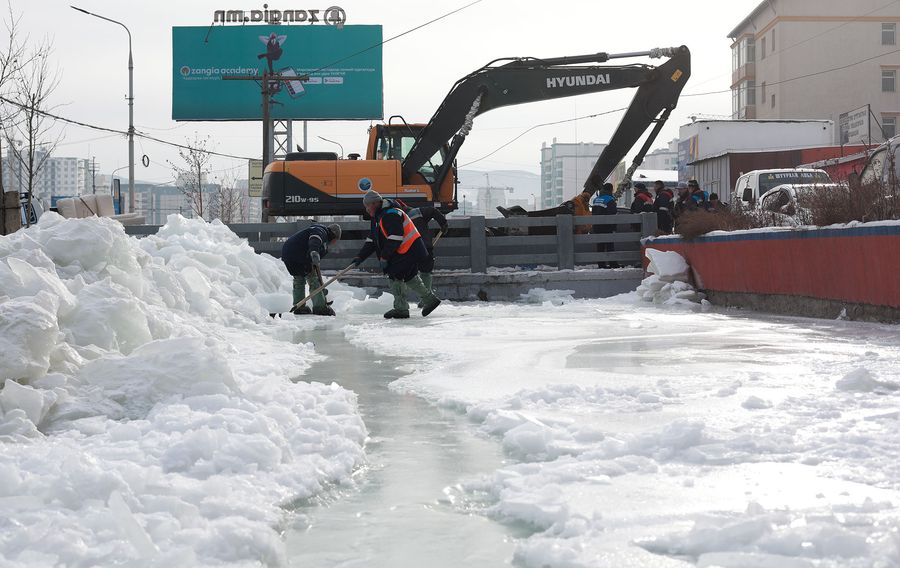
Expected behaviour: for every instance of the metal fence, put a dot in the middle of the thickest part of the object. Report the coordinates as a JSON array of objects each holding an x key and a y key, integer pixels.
[{"x": 476, "y": 243}]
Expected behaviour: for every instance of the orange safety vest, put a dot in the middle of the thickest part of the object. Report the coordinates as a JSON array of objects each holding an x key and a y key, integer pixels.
[{"x": 410, "y": 233}]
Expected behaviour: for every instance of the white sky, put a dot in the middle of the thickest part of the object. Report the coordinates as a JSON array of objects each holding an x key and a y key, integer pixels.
[{"x": 418, "y": 70}]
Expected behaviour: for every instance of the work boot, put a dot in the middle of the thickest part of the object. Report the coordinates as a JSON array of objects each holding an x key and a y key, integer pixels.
[
  {"x": 318, "y": 301},
  {"x": 430, "y": 304},
  {"x": 323, "y": 311},
  {"x": 398, "y": 289},
  {"x": 397, "y": 314},
  {"x": 429, "y": 300},
  {"x": 299, "y": 289},
  {"x": 302, "y": 310}
]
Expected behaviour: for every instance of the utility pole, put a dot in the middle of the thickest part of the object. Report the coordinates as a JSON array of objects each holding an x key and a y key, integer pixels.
[{"x": 268, "y": 80}]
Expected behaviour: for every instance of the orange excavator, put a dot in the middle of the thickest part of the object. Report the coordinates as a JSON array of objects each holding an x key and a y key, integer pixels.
[{"x": 417, "y": 162}]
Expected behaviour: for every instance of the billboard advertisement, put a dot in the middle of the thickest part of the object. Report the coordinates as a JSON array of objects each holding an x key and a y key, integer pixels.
[
  {"x": 328, "y": 73},
  {"x": 855, "y": 127}
]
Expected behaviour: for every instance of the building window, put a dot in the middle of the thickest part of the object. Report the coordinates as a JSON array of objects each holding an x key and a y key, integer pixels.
[
  {"x": 889, "y": 126},
  {"x": 773, "y": 40},
  {"x": 888, "y": 80},
  {"x": 888, "y": 34},
  {"x": 742, "y": 53},
  {"x": 762, "y": 92},
  {"x": 751, "y": 93},
  {"x": 773, "y": 100},
  {"x": 762, "y": 49}
]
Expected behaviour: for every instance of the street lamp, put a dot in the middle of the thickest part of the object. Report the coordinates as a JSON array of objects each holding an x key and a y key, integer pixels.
[
  {"x": 333, "y": 142},
  {"x": 130, "y": 108}
]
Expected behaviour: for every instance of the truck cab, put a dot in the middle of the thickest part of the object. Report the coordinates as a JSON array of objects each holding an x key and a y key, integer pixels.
[{"x": 750, "y": 186}]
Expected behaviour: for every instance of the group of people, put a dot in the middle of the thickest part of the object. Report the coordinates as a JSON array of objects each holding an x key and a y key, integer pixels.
[
  {"x": 663, "y": 201},
  {"x": 398, "y": 235}
]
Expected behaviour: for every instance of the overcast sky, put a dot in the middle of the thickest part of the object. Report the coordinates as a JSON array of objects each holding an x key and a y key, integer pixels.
[{"x": 419, "y": 69}]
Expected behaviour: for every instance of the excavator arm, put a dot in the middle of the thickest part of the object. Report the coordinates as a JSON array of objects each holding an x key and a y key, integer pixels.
[{"x": 528, "y": 80}]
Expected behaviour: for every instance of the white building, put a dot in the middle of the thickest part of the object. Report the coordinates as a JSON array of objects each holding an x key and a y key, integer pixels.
[
  {"x": 662, "y": 158},
  {"x": 796, "y": 59},
  {"x": 564, "y": 169},
  {"x": 57, "y": 176}
]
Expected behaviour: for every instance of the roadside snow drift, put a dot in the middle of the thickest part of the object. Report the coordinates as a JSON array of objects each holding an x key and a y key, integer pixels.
[{"x": 147, "y": 411}]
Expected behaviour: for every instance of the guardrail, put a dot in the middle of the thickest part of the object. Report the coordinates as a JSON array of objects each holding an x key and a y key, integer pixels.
[{"x": 476, "y": 243}]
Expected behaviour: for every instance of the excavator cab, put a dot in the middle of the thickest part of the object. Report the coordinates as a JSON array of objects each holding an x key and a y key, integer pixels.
[{"x": 318, "y": 183}]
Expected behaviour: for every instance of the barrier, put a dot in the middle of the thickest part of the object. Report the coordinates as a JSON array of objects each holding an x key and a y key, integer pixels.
[
  {"x": 472, "y": 243},
  {"x": 807, "y": 271}
]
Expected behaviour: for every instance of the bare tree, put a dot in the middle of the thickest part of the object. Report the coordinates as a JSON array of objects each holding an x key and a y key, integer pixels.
[
  {"x": 190, "y": 174},
  {"x": 228, "y": 201},
  {"x": 12, "y": 55},
  {"x": 33, "y": 82}
]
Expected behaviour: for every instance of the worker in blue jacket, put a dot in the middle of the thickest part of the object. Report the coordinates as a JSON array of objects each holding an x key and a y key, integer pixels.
[
  {"x": 604, "y": 203},
  {"x": 301, "y": 255}
]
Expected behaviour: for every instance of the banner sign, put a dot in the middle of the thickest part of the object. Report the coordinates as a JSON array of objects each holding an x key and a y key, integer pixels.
[{"x": 327, "y": 72}]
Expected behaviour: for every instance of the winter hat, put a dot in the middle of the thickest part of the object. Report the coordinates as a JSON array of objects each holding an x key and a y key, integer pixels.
[
  {"x": 335, "y": 231},
  {"x": 371, "y": 196},
  {"x": 640, "y": 186}
]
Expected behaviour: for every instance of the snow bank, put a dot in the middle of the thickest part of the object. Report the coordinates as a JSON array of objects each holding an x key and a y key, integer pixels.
[
  {"x": 148, "y": 414},
  {"x": 669, "y": 281}
]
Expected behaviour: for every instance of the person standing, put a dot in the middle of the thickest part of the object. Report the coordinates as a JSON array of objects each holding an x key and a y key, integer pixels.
[
  {"x": 662, "y": 204},
  {"x": 393, "y": 237},
  {"x": 302, "y": 254},
  {"x": 421, "y": 217},
  {"x": 715, "y": 205},
  {"x": 643, "y": 201},
  {"x": 700, "y": 197},
  {"x": 604, "y": 203}
]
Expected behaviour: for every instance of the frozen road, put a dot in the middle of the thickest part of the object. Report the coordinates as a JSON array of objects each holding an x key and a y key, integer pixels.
[{"x": 632, "y": 435}]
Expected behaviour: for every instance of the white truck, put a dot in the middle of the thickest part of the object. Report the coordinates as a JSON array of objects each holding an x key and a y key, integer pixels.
[{"x": 752, "y": 185}]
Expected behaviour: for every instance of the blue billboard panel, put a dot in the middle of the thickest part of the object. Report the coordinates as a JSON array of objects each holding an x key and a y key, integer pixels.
[{"x": 328, "y": 73}]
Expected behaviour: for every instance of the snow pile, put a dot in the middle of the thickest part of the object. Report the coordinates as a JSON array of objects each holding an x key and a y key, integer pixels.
[
  {"x": 547, "y": 297},
  {"x": 669, "y": 281},
  {"x": 861, "y": 380},
  {"x": 147, "y": 412},
  {"x": 840, "y": 535}
]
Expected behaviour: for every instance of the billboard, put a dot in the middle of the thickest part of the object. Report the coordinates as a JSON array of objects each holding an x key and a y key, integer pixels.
[
  {"x": 336, "y": 74},
  {"x": 855, "y": 127}
]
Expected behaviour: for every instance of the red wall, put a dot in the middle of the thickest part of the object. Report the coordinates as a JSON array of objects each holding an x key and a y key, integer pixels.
[{"x": 857, "y": 264}]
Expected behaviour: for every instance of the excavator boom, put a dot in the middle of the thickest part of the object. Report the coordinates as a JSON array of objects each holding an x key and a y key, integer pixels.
[{"x": 528, "y": 80}]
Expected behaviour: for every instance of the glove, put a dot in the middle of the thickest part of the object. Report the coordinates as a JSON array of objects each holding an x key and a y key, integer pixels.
[
  {"x": 355, "y": 262},
  {"x": 444, "y": 229},
  {"x": 384, "y": 265},
  {"x": 315, "y": 258}
]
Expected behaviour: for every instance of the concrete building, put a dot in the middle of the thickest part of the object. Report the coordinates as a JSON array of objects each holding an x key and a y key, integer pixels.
[
  {"x": 795, "y": 59},
  {"x": 564, "y": 169},
  {"x": 662, "y": 158},
  {"x": 58, "y": 176}
]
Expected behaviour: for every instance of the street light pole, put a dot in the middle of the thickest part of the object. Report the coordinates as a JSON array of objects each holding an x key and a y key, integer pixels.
[
  {"x": 333, "y": 142},
  {"x": 130, "y": 107}
]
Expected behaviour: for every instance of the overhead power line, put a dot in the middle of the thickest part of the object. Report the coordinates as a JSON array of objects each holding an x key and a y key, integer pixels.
[
  {"x": 539, "y": 126},
  {"x": 121, "y": 132}
]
